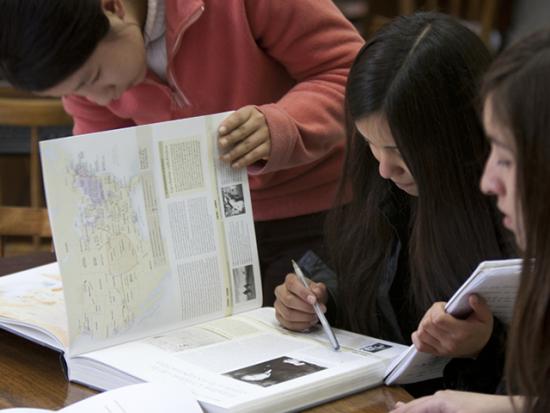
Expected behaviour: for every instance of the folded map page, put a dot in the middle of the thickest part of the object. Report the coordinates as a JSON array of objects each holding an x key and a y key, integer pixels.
[{"x": 152, "y": 231}]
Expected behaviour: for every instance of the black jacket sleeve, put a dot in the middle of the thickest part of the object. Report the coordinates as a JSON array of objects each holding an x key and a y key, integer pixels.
[
  {"x": 316, "y": 270},
  {"x": 484, "y": 373}
]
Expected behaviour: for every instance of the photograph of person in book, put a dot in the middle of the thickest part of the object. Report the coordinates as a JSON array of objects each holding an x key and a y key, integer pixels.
[
  {"x": 417, "y": 225},
  {"x": 274, "y": 371},
  {"x": 516, "y": 107},
  {"x": 280, "y": 65},
  {"x": 233, "y": 200}
]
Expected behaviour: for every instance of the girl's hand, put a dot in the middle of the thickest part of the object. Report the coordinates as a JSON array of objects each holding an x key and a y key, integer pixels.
[
  {"x": 448, "y": 401},
  {"x": 442, "y": 334},
  {"x": 244, "y": 137},
  {"x": 294, "y": 303}
]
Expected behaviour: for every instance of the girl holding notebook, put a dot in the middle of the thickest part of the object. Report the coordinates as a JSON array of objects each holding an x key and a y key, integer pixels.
[{"x": 516, "y": 109}]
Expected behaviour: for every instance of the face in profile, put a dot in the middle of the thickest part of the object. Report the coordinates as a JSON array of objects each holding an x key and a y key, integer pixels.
[
  {"x": 499, "y": 176},
  {"x": 117, "y": 63},
  {"x": 376, "y": 132}
]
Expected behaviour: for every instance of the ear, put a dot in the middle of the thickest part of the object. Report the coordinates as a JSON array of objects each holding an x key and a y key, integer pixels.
[{"x": 114, "y": 6}]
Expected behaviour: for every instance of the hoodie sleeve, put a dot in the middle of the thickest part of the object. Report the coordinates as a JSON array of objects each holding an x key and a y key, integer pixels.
[{"x": 316, "y": 45}]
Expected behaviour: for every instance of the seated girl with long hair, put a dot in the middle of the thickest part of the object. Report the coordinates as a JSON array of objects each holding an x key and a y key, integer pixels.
[
  {"x": 516, "y": 116},
  {"x": 416, "y": 225}
]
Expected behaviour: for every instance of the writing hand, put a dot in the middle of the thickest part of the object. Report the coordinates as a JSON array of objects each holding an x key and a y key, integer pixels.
[{"x": 294, "y": 303}]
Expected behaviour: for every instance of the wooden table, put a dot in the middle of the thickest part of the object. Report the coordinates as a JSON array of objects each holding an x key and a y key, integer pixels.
[{"x": 31, "y": 375}]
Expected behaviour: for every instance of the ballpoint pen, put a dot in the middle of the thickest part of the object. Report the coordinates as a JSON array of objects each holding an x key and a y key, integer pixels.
[{"x": 318, "y": 312}]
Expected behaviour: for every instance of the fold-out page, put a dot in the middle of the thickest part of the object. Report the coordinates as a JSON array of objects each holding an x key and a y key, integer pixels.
[
  {"x": 152, "y": 231},
  {"x": 497, "y": 282}
]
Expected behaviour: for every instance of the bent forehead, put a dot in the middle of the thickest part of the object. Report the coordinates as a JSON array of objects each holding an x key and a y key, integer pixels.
[
  {"x": 376, "y": 130},
  {"x": 496, "y": 130},
  {"x": 69, "y": 85}
]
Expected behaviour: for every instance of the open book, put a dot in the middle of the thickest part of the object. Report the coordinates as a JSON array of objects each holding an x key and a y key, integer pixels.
[
  {"x": 136, "y": 398},
  {"x": 497, "y": 282},
  {"x": 160, "y": 279}
]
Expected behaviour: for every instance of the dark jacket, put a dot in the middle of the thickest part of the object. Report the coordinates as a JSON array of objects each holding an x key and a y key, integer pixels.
[{"x": 482, "y": 374}]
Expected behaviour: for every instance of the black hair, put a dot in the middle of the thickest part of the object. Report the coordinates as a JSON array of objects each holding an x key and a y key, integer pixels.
[
  {"x": 421, "y": 73},
  {"x": 42, "y": 42}
]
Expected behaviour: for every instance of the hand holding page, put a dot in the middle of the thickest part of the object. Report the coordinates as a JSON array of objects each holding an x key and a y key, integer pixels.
[
  {"x": 497, "y": 282},
  {"x": 324, "y": 322}
]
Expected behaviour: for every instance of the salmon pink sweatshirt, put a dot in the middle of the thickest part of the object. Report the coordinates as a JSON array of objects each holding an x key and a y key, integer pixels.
[{"x": 290, "y": 58}]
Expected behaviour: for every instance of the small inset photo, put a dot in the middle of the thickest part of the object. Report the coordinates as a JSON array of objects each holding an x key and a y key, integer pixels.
[
  {"x": 375, "y": 347},
  {"x": 274, "y": 371},
  {"x": 243, "y": 283},
  {"x": 233, "y": 200}
]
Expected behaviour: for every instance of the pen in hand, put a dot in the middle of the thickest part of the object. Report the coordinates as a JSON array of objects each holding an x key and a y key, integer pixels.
[{"x": 326, "y": 326}]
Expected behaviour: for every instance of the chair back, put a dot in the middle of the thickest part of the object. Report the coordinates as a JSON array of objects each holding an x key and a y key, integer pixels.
[
  {"x": 480, "y": 12},
  {"x": 26, "y": 110},
  {"x": 23, "y": 221}
]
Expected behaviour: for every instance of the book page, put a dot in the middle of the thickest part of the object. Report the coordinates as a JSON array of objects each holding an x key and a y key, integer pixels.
[
  {"x": 245, "y": 358},
  {"x": 32, "y": 305},
  {"x": 138, "y": 398},
  {"x": 139, "y": 232},
  {"x": 208, "y": 216},
  {"x": 497, "y": 282}
]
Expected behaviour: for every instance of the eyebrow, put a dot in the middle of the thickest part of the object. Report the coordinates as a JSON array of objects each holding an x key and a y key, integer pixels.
[
  {"x": 385, "y": 147},
  {"x": 90, "y": 81},
  {"x": 499, "y": 143}
]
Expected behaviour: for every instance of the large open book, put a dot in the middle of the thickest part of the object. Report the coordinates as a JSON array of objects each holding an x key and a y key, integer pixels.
[
  {"x": 497, "y": 282},
  {"x": 159, "y": 278}
]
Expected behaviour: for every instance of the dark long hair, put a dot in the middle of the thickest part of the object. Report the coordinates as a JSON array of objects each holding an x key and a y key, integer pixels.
[
  {"x": 519, "y": 87},
  {"x": 422, "y": 73},
  {"x": 42, "y": 42}
]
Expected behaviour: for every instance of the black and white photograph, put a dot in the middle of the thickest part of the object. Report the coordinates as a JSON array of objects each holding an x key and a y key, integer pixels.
[
  {"x": 274, "y": 371},
  {"x": 243, "y": 283},
  {"x": 233, "y": 200},
  {"x": 375, "y": 347}
]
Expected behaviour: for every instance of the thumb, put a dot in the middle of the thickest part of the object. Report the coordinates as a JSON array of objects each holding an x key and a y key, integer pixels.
[{"x": 481, "y": 310}]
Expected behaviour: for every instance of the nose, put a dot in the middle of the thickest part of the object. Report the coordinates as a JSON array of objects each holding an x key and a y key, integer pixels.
[
  {"x": 490, "y": 184},
  {"x": 102, "y": 95},
  {"x": 388, "y": 167},
  {"x": 99, "y": 99}
]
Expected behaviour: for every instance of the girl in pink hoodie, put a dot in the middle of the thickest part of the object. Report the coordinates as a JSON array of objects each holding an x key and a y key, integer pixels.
[{"x": 281, "y": 65}]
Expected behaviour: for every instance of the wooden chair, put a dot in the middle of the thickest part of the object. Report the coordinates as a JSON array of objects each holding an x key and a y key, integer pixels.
[
  {"x": 480, "y": 12},
  {"x": 24, "y": 110},
  {"x": 23, "y": 221}
]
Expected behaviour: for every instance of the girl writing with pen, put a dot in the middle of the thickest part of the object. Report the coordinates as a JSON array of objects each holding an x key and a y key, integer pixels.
[{"x": 417, "y": 224}]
